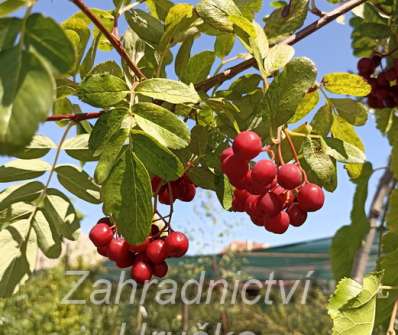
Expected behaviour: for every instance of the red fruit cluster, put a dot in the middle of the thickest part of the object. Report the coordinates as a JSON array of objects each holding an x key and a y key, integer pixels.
[
  {"x": 146, "y": 259},
  {"x": 384, "y": 92},
  {"x": 274, "y": 197},
  {"x": 182, "y": 189}
]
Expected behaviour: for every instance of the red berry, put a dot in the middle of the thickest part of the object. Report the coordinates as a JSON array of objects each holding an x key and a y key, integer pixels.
[
  {"x": 240, "y": 182},
  {"x": 290, "y": 176},
  {"x": 156, "y": 251},
  {"x": 164, "y": 195},
  {"x": 251, "y": 204},
  {"x": 239, "y": 200},
  {"x": 375, "y": 102},
  {"x": 311, "y": 198},
  {"x": 226, "y": 153},
  {"x": 270, "y": 205},
  {"x": 103, "y": 250},
  {"x": 390, "y": 74},
  {"x": 264, "y": 172},
  {"x": 125, "y": 261},
  {"x": 376, "y": 60},
  {"x": 382, "y": 80},
  {"x": 140, "y": 247},
  {"x": 105, "y": 220},
  {"x": 297, "y": 215},
  {"x": 252, "y": 186},
  {"x": 247, "y": 145},
  {"x": 141, "y": 272},
  {"x": 286, "y": 197},
  {"x": 160, "y": 270},
  {"x": 118, "y": 249},
  {"x": 278, "y": 224},
  {"x": 101, "y": 234},
  {"x": 366, "y": 67},
  {"x": 187, "y": 191},
  {"x": 177, "y": 244},
  {"x": 235, "y": 167},
  {"x": 258, "y": 219},
  {"x": 156, "y": 182}
]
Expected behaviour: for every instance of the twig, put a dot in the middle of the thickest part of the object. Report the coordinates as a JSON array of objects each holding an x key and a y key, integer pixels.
[
  {"x": 110, "y": 37},
  {"x": 376, "y": 208},
  {"x": 293, "y": 39},
  {"x": 75, "y": 117},
  {"x": 391, "y": 325}
]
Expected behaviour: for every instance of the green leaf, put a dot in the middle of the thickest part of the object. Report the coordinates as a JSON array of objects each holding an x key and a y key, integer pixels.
[
  {"x": 50, "y": 40},
  {"x": 9, "y": 30},
  {"x": 348, "y": 239},
  {"x": 284, "y": 21},
  {"x": 27, "y": 93},
  {"x": 278, "y": 57},
  {"x": 384, "y": 119},
  {"x": 103, "y": 90},
  {"x": 78, "y": 182},
  {"x": 199, "y": 140},
  {"x": 77, "y": 147},
  {"x": 127, "y": 197},
  {"x": 392, "y": 213},
  {"x": 171, "y": 91},
  {"x": 288, "y": 89},
  {"x": 48, "y": 239},
  {"x": 306, "y": 105},
  {"x": 161, "y": 124},
  {"x": 320, "y": 163},
  {"x": 344, "y": 152},
  {"x": 352, "y": 111},
  {"x": 224, "y": 191},
  {"x": 39, "y": 147},
  {"x": 346, "y": 290},
  {"x": 105, "y": 127},
  {"x": 159, "y": 8},
  {"x": 346, "y": 83},
  {"x": 110, "y": 155},
  {"x": 147, "y": 27},
  {"x": 373, "y": 30},
  {"x": 223, "y": 45},
  {"x": 18, "y": 250},
  {"x": 203, "y": 177},
  {"x": 217, "y": 12},
  {"x": 323, "y": 120},
  {"x": 198, "y": 67},
  {"x": 9, "y": 6},
  {"x": 15, "y": 212},
  {"x": 344, "y": 131},
  {"x": 357, "y": 315},
  {"x": 183, "y": 56},
  {"x": 249, "y": 8},
  {"x": 59, "y": 210},
  {"x": 27, "y": 192},
  {"x": 23, "y": 169},
  {"x": 110, "y": 67},
  {"x": 157, "y": 159}
]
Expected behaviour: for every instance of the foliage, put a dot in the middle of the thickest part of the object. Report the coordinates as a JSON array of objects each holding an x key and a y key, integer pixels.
[{"x": 151, "y": 125}]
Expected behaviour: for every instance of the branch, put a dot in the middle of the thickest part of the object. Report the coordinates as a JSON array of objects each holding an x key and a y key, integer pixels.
[
  {"x": 110, "y": 37},
  {"x": 377, "y": 207},
  {"x": 75, "y": 117},
  {"x": 293, "y": 39}
]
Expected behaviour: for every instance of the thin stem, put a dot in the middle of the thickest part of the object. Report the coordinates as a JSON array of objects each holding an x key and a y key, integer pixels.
[
  {"x": 75, "y": 117},
  {"x": 294, "y": 152},
  {"x": 391, "y": 325},
  {"x": 57, "y": 154},
  {"x": 110, "y": 37},
  {"x": 293, "y": 39},
  {"x": 279, "y": 140}
]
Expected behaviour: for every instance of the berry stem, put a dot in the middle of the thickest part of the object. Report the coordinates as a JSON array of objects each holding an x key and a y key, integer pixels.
[
  {"x": 294, "y": 152},
  {"x": 279, "y": 143}
]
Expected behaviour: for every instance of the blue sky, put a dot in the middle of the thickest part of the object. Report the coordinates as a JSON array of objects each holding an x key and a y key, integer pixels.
[{"x": 330, "y": 49}]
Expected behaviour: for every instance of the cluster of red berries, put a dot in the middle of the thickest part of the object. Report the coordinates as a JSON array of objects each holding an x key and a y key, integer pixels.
[
  {"x": 274, "y": 197},
  {"x": 182, "y": 189},
  {"x": 146, "y": 259},
  {"x": 384, "y": 83}
]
